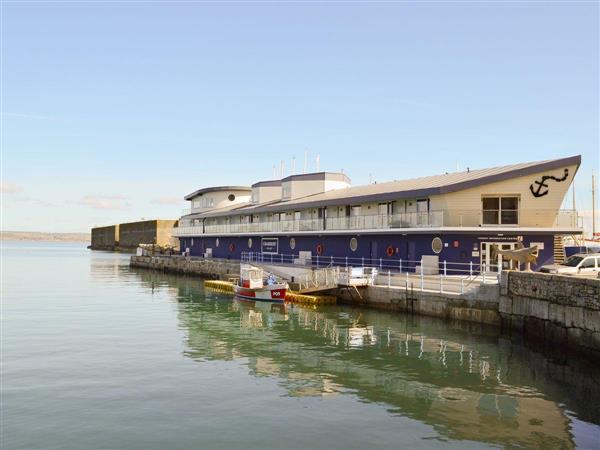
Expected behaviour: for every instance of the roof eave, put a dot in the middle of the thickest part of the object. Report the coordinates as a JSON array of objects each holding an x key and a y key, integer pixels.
[
  {"x": 524, "y": 171},
  {"x": 217, "y": 189}
]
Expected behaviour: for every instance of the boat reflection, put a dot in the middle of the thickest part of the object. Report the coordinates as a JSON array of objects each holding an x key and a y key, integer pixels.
[{"x": 465, "y": 380}]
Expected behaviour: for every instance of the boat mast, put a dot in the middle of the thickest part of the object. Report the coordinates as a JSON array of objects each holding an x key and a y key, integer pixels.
[
  {"x": 593, "y": 206},
  {"x": 574, "y": 207}
]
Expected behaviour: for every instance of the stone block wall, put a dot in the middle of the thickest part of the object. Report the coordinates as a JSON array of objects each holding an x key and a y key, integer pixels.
[
  {"x": 481, "y": 308},
  {"x": 164, "y": 233},
  {"x": 105, "y": 238},
  {"x": 206, "y": 268},
  {"x": 146, "y": 232},
  {"x": 556, "y": 308}
]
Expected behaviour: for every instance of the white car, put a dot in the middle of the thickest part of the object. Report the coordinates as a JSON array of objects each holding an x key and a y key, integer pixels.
[{"x": 578, "y": 264}]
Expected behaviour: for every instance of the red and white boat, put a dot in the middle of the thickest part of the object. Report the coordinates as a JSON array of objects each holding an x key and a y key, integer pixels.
[{"x": 252, "y": 286}]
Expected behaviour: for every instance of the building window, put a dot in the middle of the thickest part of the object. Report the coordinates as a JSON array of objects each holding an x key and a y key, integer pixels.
[
  {"x": 292, "y": 243},
  {"x": 500, "y": 210},
  {"x": 231, "y": 197},
  {"x": 386, "y": 208},
  {"x": 437, "y": 245},
  {"x": 353, "y": 244},
  {"x": 353, "y": 211}
]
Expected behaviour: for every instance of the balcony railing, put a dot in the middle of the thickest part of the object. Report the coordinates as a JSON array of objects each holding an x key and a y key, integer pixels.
[
  {"x": 431, "y": 219},
  {"x": 198, "y": 209}
]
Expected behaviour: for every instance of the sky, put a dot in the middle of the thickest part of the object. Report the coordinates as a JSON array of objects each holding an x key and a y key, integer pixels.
[{"x": 113, "y": 111}]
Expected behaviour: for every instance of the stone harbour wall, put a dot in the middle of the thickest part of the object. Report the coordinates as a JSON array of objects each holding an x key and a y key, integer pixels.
[
  {"x": 480, "y": 306},
  {"x": 555, "y": 308},
  {"x": 105, "y": 238},
  {"x": 146, "y": 232},
  {"x": 206, "y": 268}
]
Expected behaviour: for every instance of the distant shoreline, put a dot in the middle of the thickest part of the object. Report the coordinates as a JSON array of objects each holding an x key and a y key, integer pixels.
[{"x": 46, "y": 237}]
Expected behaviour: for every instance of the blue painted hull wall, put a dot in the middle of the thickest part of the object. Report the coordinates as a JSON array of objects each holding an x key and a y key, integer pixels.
[{"x": 457, "y": 248}]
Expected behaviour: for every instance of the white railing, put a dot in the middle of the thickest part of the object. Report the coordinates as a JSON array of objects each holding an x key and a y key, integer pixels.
[
  {"x": 380, "y": 263},
  {"x": 405, "y": 220},
  {"x": 448, "y": 276},
  {"x": 450, "y": 218},
  {"x": 320, "y": 278}
]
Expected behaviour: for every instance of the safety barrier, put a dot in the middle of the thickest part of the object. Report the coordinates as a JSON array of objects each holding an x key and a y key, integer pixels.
[
  {"x": 445, "y": 276},
  {"x": 219, "y": 286},
  {"x": 380, "y": 263}
]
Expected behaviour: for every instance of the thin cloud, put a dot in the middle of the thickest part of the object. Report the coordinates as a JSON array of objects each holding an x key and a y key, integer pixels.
[
  {"x": 35, "y": 201},
  {"x": 105, "y": 202},
  {"x": 28, "y": 116},
  {"x": 167, "y": 201},
  {"x": 10, "y": 188}
]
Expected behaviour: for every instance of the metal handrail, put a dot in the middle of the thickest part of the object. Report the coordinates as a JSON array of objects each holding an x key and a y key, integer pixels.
[
  {"x": 381, "y": 263},
  {"x": 429, "y": 219}
]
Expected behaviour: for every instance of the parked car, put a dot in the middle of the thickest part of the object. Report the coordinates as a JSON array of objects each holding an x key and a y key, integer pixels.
[{"x": 578, "y": 264}]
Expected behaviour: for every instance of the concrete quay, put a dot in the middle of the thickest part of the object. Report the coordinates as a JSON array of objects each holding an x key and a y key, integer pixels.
[
  {"x": 478, "y": 305},
  {"x": 554, "y": 309}
]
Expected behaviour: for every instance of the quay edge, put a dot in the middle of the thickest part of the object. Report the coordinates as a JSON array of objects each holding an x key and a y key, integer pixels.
[{"x": 552, "y": 309}]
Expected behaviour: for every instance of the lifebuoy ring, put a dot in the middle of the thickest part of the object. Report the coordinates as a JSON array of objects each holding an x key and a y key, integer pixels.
[
  {"x": 231, "y": 247},
  {"x": 319, "y": 249},
  {"x": 390, "y": 250}
]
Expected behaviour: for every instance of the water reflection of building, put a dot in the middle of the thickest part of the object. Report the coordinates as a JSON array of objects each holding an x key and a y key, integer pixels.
[{"x": 466, "y": 387}]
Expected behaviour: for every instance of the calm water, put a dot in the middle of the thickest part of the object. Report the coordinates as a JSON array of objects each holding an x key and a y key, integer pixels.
[{"x": 97, "y": 355}]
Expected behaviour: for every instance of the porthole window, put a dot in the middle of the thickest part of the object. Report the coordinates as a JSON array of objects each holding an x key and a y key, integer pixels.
[
  {"x": 437, "y": 245},
  {"x": 231, "y": 197},
  {"x": 292, "y": 243},
  {"x": 353, "y": 244},
  {"x": 216, "y": 242},
  {"x": 249, "y": 242}
]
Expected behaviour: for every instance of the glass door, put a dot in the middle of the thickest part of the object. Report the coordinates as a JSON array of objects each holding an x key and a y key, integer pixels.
[{"x": 492, "y": 261}]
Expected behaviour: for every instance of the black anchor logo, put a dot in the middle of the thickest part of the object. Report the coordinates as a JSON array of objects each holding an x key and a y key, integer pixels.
[{"x": 537, "y": 191}]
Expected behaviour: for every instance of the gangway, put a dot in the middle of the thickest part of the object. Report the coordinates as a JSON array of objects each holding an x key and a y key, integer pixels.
[{"x": 319, "y": 280}]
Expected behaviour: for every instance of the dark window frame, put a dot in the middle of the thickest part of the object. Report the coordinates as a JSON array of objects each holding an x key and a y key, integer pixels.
[{"x": 500, "y": 216}]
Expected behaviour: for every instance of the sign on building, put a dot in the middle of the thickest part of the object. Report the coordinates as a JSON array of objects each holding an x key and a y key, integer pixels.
[{"x": 269, "y": 245}]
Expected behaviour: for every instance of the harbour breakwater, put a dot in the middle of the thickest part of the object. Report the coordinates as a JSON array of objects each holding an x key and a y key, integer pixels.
[{"x": 554, "y": 309}]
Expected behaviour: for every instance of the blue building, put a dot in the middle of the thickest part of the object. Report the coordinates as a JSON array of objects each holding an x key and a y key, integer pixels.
[{"x": 461, "y": 217}]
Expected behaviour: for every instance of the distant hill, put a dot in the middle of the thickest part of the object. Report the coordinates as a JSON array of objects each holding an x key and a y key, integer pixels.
[{"x": 37, "y": 236}]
